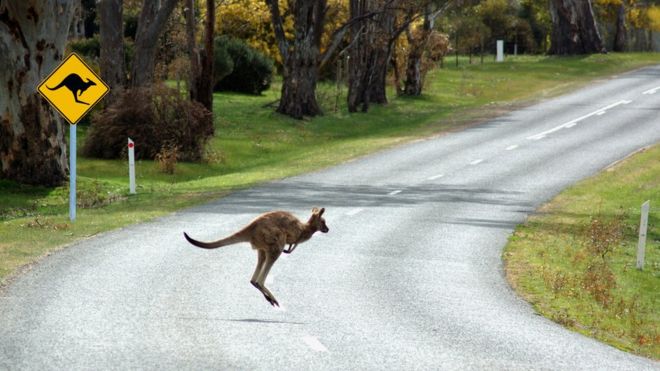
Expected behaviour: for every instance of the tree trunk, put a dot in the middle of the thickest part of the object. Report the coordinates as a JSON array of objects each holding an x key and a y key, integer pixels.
[
  {"x": 77, "y": 29},
  {"x": 301, "y": 59},
  {"x": 418, "y": 44},
  {"x": 152, "y": 21},
  {"x": 299, "y": 88},
  {"x": 32, "y": 38},
  {"x": 193, "y": 51},
  {"x": 111, "y": 29},
  {"x": 205, "y": 82},
  {"x": 620, "y": 33},
  {"x": 201, "y": 62},
  {"x": 574, "y": 29},
  {"x": 369, "y": 55}
]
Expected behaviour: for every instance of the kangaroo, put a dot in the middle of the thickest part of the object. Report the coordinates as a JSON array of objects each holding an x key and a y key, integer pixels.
[
  {"x": 269, "y": 233},
  {"x": 75, "y": 84}
]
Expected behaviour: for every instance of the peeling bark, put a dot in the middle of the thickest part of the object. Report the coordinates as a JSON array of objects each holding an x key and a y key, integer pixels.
[
  {"x": 111, "y": 29},
  {"x": 574, "y": 29},
  {"x": 32, "y": 38},
  {"x": 301, "y": 57},
  {"x": 620, "y": 33},
  {"x": 369, "y": 54},
  {"x": 152, "y": 21}
]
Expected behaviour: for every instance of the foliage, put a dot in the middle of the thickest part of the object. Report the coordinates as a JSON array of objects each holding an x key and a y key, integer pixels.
[
  {"x": 90, "y": 48},
  {"x": 154, "y": 118},
  {"x": 251, "y": 71},
  {"x": 575, "y": 261},
  {"x": 250, "y": 20}
]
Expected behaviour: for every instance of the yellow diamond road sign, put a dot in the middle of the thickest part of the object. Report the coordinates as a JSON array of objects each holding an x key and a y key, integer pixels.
[{"x": 73, "y": 88}]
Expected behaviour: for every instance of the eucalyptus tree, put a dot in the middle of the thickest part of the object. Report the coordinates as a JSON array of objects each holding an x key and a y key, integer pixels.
[
  {"x": 33, "y": 34},
  {"x": 574, "y": 28}
]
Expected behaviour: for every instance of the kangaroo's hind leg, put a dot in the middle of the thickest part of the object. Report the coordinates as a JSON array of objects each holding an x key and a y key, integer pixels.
[
  {"x": 271, "y": 257},
  {"x": 75, "y": 97},
  {"x": 261, "y": 258}
]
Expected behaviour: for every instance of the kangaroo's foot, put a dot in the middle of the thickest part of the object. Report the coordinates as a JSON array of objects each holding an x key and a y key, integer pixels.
[{"x": 269, "y": 297}]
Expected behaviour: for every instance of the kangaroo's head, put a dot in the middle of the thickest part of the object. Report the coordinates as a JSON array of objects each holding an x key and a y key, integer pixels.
[
  {"x": 317, "y": 222},
  {"x": 90, "y": 83}
]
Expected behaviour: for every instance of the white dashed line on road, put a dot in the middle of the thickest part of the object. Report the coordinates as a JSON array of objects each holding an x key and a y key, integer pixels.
[
  {"x": 354, "y": 211},
  {"x": 477, "y": 161},
  {"x": 572, "y": 123},
  {"x": 512, "y": 147},
  {"x": 394, "y": 192},
  {"x": 314, "y": 344},
  {"x": 435, "y": 177},
  {"x": 651, "y": 91}
]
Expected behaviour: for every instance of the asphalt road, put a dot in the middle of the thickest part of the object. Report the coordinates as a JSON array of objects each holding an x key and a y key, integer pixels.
[{"x": 409, "y": 277}]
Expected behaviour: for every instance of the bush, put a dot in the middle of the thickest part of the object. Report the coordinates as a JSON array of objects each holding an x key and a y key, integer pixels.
[
  {"x": 86, "y": 47},
  {"x": 252, "y": 71},
  {"x": 223, "y": 64},
  {"x": 155, "y": 118}
]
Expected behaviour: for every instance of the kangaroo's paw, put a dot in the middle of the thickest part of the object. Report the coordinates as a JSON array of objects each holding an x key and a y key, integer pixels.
[{"x": 273, "y": 301}]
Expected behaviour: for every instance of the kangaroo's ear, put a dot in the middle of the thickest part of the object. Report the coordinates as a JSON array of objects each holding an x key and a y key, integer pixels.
[
  {"x": 315, "y": 210},
  {"x": 322, "y": 211}
]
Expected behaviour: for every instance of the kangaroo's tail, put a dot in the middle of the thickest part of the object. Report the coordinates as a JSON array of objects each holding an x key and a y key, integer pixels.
[
  {"x": 57, "y": 87},
  {"x": 234, "y": 238}
]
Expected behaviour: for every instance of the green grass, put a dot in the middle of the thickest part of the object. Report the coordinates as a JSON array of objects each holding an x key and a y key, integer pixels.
[
  {"x": 551, "y": 260},
  {"x": 253, "y": 144}
]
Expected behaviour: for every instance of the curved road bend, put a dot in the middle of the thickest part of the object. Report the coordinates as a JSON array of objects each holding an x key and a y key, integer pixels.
[{"x": 409, "y": 277}]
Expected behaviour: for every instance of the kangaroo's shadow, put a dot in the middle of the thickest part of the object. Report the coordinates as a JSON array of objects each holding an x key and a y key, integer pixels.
[{"x": 254, "y": 320}]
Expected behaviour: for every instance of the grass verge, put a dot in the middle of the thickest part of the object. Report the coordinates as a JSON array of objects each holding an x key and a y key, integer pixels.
[
  {"x": 575, "y": 261},
  {"x": 253, "y": 144}
]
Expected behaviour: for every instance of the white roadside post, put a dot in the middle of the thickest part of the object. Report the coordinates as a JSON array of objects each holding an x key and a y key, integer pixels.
[
  {"x": 131, "y": 166},
  {"x": 643, "y": 224},
  {"x": 500, "y": 51}
]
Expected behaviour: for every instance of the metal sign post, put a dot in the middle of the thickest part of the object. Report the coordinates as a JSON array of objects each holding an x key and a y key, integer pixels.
[{"x": 72, "y": 172}]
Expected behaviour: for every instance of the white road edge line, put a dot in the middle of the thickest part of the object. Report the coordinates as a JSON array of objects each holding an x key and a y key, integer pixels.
[
  {"x": 354, "y": 211},
  {"x": 572, "y": 123},
  {"x": 435, "y": 177},
  {"x": 394, "y": 192},
  {"x": 314, "y": 344},
  {"x": 651, "y": 91},
  {"x": 512, "y": 147},
  {"x": 476, "y": 162}
]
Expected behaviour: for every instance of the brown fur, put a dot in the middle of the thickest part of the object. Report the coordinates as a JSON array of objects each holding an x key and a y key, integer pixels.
[{"x": 269, "y": 233}]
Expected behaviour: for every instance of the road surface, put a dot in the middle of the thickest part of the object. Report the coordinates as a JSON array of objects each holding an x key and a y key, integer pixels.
[{"x": 409, "y": 277}]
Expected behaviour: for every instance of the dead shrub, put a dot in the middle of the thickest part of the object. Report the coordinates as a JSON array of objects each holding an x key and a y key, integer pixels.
[
  {"x": 604, "y": 236},
  {"x": 166, "y": 159},
  {"x": 153, "y": 117},
  {"x": 599, "y": 280}
]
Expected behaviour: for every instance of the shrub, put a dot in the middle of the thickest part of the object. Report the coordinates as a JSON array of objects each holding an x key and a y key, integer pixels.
[
  {"x": 90, "y": 48},
  {"x": 252, "y": 71},
  {"x": 155, "y": 118},
  {"x": 223, "y": 65}
]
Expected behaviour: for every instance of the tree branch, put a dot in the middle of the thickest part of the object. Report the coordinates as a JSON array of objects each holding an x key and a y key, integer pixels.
[{"x": 278, "y": 27}]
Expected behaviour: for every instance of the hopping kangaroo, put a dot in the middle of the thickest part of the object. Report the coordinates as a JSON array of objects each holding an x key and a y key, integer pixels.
[
  {"x": 75, "y": 84},
  {"x": 269, "y": 233}
]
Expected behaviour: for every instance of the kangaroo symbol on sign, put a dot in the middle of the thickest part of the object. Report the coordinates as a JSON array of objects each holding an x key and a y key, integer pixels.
[{"x": 76, "y": 85}]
